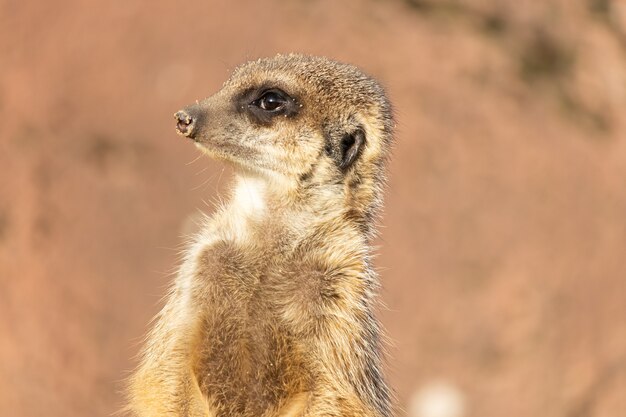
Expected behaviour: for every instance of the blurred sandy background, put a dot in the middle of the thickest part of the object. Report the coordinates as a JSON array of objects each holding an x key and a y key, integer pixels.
[{"x": 503, "y": 251}]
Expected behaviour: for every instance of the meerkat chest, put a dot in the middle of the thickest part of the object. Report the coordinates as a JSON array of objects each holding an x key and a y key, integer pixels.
[{"x": 249, "y": 361}]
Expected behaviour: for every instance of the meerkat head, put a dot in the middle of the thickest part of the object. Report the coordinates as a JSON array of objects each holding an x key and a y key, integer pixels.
[{"x": 306, "y": 121}]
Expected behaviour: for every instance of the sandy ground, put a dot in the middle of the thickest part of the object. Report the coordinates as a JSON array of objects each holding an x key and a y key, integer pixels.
[{"x": 503, "y": 244}]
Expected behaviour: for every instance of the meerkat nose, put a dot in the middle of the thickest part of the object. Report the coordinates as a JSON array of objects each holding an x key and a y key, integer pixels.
[{"x": 185, "y": 123}]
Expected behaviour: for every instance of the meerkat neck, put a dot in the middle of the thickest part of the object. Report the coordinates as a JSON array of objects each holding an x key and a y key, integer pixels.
[
  {"x": 259, "y": 199},
  {"x": 250, "y": 195}
]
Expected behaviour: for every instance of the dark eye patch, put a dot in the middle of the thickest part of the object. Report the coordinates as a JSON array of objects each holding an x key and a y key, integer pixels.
[{"x": 265, "y": 103}]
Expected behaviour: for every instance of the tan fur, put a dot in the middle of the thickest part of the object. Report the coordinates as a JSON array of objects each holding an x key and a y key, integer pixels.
[{"x": 271, "y": 313}]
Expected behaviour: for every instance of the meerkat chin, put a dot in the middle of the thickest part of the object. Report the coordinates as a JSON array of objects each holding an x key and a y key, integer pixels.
[{"x": 272, "y": 310}]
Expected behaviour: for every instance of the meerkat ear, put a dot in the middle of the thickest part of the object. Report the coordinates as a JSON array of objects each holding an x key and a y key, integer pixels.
[{"x": 351, "y": 145}]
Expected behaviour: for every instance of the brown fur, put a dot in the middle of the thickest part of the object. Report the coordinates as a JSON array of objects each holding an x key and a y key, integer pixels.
[{"x": 272, "y": 310}]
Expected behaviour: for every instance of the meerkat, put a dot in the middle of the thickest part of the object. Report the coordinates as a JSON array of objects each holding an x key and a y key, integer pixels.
[{"x": 272, "y": 311}]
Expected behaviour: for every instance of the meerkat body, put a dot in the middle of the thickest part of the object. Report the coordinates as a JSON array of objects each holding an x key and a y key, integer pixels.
[{"x": 271, "y": 313}]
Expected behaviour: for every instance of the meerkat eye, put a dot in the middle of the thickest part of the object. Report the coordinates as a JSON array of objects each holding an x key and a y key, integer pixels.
[
  {"x": 263, "y": 105},
  {"x": 271, "y": 101}
]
